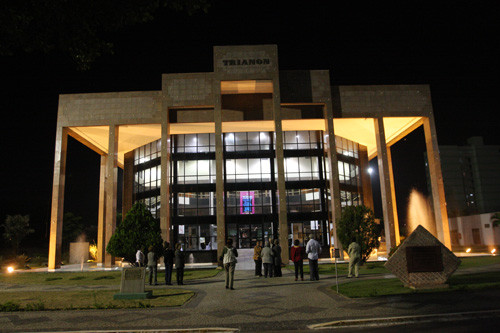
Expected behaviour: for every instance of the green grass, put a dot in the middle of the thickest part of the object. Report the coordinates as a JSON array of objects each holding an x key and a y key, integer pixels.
[
  {"x": 90, "y": 278},
  {"x": 342, "y": 269},
  {"x": 386, "y": 287},
  {"x": 88, "y": 299},
  {"x": 479, "y": 261}
]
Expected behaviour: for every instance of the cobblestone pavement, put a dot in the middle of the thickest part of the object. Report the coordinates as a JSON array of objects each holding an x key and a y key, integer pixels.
[{"x": 257, "y": 304}]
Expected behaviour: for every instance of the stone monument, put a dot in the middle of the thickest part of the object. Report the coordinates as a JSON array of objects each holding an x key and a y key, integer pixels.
[
  {"x": 422, "y": 261},
  {"x": 132, "y": 284}
]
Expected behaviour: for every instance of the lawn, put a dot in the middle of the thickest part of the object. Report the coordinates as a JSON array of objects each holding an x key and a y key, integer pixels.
[
  {"x": 342, "y": 269},
  {"x": 88, "y": 299},
  {"x": 91, "y": 278},
  {"x": 378, "y": 267},
  {"x": 385, "y": 287}
]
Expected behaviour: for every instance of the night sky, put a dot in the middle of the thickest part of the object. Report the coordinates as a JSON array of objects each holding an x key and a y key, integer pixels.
[{"x": 453, "y": 48}]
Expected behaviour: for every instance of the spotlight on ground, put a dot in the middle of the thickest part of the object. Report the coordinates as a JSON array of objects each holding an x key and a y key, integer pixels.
[
  {"x": 10, "y": 269},
  {"x": 493, "y": 251},
  {"x": 468, "y": 250}
]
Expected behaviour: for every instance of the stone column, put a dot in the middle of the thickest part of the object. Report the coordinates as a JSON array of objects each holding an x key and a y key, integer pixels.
[
  {"x": 111, "y": 190},
  {"x": 280, "y": 182},
  {"x": 437, "y": 185},
  {"x": 366, "y": 182},
  {"x": 128, "y": 182},
  {"x": 165, "y": 216},
  {"x": 219, "y": 169},
  {"x": 57, "y": 209},
  {"x": 101, "y": 247},
  {"x": 331, "y": 153},
  {"x": 386, "y": 187}
]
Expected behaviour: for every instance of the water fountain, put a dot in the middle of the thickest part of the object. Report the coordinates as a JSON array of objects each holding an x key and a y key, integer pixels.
[{"x": 420, "y": 213}]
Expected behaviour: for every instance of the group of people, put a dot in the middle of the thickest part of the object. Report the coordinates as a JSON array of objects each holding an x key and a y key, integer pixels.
[
  {"x": 270, "y": 257},
  {"x": 170, "y": 257}
]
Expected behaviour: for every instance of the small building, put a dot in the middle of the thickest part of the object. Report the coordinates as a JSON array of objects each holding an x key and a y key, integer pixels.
[{"x": 246, "y": 152}]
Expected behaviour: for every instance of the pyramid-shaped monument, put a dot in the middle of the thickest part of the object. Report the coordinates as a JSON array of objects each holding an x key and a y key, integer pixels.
[{"x": 422, "y": 261}]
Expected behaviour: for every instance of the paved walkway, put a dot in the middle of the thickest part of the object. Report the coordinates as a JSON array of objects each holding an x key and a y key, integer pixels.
[{"x": 257, "y": 304}]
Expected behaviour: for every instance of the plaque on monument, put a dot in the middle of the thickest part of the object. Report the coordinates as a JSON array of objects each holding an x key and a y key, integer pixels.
[
  {"x": 132, "y": 284},
  {"x": 424, "y": 259}
]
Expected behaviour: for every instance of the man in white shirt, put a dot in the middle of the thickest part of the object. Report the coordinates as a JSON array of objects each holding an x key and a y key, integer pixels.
[
  {"x": 139, "y": 258},
  {"x": 313, "y": 249}
]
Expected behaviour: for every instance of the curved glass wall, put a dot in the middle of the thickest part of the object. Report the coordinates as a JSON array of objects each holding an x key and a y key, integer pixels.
[{"x": 250, "y": 181}]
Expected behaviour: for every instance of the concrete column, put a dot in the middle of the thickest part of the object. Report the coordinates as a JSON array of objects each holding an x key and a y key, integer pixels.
[
  {"x": 366, "y": 182},
  {"x": 101, "y": 248},
  {"x": 219, "y": 169},
  {"x": 280, "y": 163},
  {"x": 111, "y": 190},
  {"x": 165, "y": 216},
  {"x": 393, "y": 196},
  {"x": 128, "y": 182},
  {"x": 57, "y": 208},
  {"x": 386, "y": 189},
  {"x": 437, "y": 184},
  {"x": 331, "y": 153}
]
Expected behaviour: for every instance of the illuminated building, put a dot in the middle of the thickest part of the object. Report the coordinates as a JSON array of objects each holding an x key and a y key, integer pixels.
[{"x": 246, "y": 152}]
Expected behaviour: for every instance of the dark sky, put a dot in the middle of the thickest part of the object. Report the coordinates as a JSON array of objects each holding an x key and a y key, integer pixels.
[{"x": 453, "y": 48}]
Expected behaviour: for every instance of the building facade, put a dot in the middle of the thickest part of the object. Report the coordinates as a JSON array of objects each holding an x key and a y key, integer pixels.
[{"x": 246, "y": 152}]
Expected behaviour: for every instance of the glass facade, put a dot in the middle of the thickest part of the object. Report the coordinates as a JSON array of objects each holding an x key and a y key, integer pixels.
[{"x": 250, "y": 177}]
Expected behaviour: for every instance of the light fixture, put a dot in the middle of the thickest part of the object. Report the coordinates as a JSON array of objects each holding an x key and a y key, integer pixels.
[
  {"x": 370, "y": 170},
  {"x": 493, "y": 251},
  {"x": 468, "y": 250},
  {"x": 10, "y": 269}
]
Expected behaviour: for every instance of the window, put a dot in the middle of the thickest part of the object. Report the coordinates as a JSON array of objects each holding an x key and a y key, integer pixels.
[
  {"x": 196, "y": 172},
  {"x": 248, "y": 170},
  {"x": 293, "y": 140},
  {"x": 250, "y": 141},
  {"x": 303, "y": 200},
  {"x": 194, "y": 143},
  {"x": 248, "y": 202},
  {"x": 147, "y": 152},
  {"x": 301, "y": 168},
  {"x": 196, "y": 237},
  {"x": 195, "y": 204}
]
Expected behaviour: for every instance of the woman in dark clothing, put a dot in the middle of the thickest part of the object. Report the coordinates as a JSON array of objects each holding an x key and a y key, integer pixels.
[
  {"x": 277, "y": 258},
  {"x": 179, "y": 263},
  {"x": 297, "y": 255}
]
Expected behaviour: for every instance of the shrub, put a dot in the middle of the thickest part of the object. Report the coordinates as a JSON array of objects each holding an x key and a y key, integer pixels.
[
  {"x": 357, "y": 224},
  {"x": 139, "y": 230},
  {"x": 9, "y": 307}
]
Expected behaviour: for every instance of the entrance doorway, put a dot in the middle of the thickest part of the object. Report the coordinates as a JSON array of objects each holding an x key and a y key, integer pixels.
[{"x": 246, "y": 235}]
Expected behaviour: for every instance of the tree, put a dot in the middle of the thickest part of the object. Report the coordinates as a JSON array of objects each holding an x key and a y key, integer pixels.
[
  {"x": 138, "y": 230},
  {"x": 16, "y": 228},
  {"x": 357, "y": 224},
  {"x": 495, "y": 218},
  {"x": 81, "y": 29}
]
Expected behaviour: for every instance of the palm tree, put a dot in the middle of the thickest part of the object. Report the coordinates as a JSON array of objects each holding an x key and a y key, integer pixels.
[{"x": 495, "y": 218}]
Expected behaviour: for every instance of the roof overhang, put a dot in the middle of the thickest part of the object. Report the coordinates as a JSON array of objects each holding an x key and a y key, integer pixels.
[{"x": 361, "y": 130}]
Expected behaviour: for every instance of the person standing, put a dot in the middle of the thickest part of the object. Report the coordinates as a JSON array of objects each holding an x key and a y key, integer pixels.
[
  {"x": 297, "y": 255},
  {"x": 229, "y": 255},
  {"x": 168, "y": 258},
  {"x": 313, "y": 249},
  {"x": 354, "y": 252},
  {"x": 277, "y": 258},
  {"x": 139, "y": 258},
  {"x": 152, "y": 266},
  {"x": 179, "y": 264},
  {"x": 267, "y": 260},
  {"x": 257, "y": 258}
]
